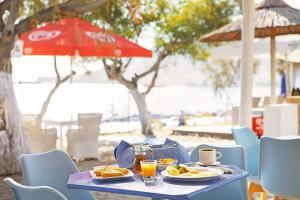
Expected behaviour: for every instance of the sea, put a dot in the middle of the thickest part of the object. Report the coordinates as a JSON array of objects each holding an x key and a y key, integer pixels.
[{"x": 117, "y": 105}]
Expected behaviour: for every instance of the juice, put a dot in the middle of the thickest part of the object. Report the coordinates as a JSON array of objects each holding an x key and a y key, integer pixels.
[{"x": 148, "y": 170}]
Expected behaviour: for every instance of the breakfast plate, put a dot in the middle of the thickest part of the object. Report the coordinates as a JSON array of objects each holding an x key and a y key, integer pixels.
[
  {"x": 205, "y": 164},
  {"x": 112, "y": 173},
  {"x": 194, "y": 174}
]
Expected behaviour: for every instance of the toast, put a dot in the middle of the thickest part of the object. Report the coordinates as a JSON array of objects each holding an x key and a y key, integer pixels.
[{"x": 110, "y": 171}]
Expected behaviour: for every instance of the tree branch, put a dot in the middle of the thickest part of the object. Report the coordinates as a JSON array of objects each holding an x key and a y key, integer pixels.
[
  {"x": 47, "y": 101},
  {"x": 56, "y": 70},
  {"x": 1, "y": 27},
  {"x": 67, "y": 77},
  {"x": 70, "y": 8},
  {"x": 154, "y": 67},
  {"x": 51, "y": 93},
  {"x": 114, "y": 74},
  {"x": 126, "y": 65},
  {"x": 4, "y": 5},
  {"x": 58, "y": 77},
  {"x": 152, "y": 84},
  {"x": 106, "y": 68},
  {"x": 90, "y": 6},
  {"x": 13, "y": 15}
]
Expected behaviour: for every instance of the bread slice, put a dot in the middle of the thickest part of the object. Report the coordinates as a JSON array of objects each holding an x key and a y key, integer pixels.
[
  {"x": 124, "y": 171},
  {"x": 98, "y": 172},
  {"x": 110, "y": 171}
]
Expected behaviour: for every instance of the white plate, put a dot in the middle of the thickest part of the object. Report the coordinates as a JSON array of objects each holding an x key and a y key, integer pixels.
[
  {"x": 211, "y": 173},
  {"x": 130, "y": 174},
  {"x": 203, "y": 164}
]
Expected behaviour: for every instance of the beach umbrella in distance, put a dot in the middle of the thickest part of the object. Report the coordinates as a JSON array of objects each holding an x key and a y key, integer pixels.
[
  {"x": 271, "y": 18},
  {"x": 285, "y": 45}
]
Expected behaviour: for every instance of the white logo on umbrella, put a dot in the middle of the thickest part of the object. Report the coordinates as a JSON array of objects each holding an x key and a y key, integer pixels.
[
  {"x": 101, "y": 37},
  {"x": 43, "y": 35}
]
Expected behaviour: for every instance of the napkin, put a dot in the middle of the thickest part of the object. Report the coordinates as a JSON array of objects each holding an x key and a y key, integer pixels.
[
  {"x": 124, "y": 152},
  {"x": 171, "y": 149}
]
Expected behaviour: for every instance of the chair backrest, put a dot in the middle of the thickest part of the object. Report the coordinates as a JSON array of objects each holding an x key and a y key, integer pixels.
[
  {"x": 89, "y": 120},
  {"x": 52, "y": 169},
  {"x": 279, "y": 166},
  {"x": 231, "y": 155},
  {"x": 22, "y": 192},
  {"x": 249, "y": 140}
]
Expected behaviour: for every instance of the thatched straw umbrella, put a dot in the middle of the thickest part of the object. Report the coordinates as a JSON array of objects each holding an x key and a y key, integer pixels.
[{"x": 271, "y": 18}]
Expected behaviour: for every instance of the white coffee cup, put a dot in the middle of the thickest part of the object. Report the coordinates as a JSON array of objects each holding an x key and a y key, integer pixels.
[{"x": 209, "y": 156}]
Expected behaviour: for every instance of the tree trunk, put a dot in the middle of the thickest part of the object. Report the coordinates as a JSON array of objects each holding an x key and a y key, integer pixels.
[
  {"x": 12, "y": 141},
  {"x": 59, "y": 81},
  {"x": 47, "y": 101},
  {"x": 144, "y": 115}
]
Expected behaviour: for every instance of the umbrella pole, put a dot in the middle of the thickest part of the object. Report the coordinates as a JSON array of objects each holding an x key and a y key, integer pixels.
[
  {"x": 273, "y": 69},
  {"x": 289, "y": 75},
  {"x": 291, "y": 78},
  {"x": 247, "y": 64},
  {"x": 286, "y": 70}
]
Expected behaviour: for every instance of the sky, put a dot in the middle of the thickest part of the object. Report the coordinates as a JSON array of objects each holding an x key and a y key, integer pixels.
[{"x": 41, "y": 66}]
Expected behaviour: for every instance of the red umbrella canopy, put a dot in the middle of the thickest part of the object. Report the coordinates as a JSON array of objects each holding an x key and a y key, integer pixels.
[{"x": 73, "y": 36}]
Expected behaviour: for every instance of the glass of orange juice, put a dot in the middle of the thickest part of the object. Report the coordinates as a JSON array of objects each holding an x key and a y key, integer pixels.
[{"x": 149, "y": 171}]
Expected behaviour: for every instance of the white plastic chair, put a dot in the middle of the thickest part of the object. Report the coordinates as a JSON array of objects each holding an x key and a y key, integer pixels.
[
  {"x": 83, "y": 142},
  {"x": 40, "y": 140}
]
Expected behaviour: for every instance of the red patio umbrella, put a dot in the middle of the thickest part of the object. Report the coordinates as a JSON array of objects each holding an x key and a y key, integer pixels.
[{"x": 72, "y": 36}]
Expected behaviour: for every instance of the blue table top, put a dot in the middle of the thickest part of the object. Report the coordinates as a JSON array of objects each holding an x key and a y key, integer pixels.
[{"x": 164, "y": 189}]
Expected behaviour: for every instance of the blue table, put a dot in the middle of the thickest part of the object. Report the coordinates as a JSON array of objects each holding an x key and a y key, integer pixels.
[{"x": 165, "y": 188}]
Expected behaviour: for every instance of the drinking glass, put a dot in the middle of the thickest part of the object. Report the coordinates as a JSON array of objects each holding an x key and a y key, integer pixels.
[{"x": 149, "y": 171}]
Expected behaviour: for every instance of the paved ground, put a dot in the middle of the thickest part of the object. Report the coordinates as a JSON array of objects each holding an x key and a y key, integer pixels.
[{"x": 5, "y": 193}]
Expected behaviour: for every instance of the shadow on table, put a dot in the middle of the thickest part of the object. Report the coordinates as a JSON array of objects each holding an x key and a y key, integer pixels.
[
  {"x": 116, "y": 181},
  {"x": 193, "y": 183}
]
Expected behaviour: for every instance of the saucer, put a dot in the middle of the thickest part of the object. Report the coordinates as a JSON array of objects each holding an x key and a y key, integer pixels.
[{"x": 211, "y": 164}]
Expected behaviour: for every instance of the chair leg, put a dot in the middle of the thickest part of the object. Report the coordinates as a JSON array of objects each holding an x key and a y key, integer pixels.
[
  {"x": 251, "y": 191},
  {"x": 256, "y": 188},
  {"x": 263, "y": 195}
]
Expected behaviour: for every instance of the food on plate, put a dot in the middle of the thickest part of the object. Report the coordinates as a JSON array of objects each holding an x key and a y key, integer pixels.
[
  {"x": 182, "y": 168},
  {"x": 166, "y": 161},
  {"x": 163, "y": 163},
  {"x": 173, "y": 171},
  {"x": 110, "y": 171},
  {"x": 185, "y": 171}
]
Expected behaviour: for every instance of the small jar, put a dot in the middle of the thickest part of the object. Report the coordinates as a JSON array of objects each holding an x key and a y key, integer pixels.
[{"x": 140, "y": 152}]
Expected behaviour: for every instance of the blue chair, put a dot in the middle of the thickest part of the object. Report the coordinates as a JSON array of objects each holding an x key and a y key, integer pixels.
[
  {"x": 52, "y": 169},
  {"x": 231, "y": 155},
  {"x": 279, "y": 167},
  {"x": 249, "y": 140},
  {"x": 22, "y": 192}
]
